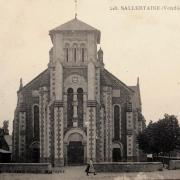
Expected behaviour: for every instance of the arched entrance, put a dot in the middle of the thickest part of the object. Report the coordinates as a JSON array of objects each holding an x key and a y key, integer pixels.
[
  {"x": 35, "y": 152},
  {"x": 75, "y": 153},
  {"x": 75, "y": 148},
  {"x": 117, "y": 152},
  {"x": 117, "y": 155}
]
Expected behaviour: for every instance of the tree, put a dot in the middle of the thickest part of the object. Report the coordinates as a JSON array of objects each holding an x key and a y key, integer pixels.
[
  {"x": 6, "y": 127},
  {"x": 161, "y": 136},
  {"x": 148, "y": 139},
  {"x": 170, "y": 132}
]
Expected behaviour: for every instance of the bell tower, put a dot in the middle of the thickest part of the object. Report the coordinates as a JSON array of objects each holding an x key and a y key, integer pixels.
[
  {"x": 75, "y": 43},
  {"x": 74, "y": 49}
]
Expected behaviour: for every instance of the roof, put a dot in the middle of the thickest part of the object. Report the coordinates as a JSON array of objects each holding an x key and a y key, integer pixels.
[
  {"x": 109, "y": 79},
  {"x": 3, "y": 143},
  {"x": 76, "y": 25},
  {"x": 41, "y": 80},
  {"x": 8, "y": 139}
]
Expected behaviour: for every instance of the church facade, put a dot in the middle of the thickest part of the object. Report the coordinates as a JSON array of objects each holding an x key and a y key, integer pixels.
[{"x": 76, "y": 110}]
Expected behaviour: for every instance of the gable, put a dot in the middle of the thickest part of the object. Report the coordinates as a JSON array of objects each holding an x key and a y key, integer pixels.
[
  {"x": 74, "y": 25},
  {"x": 41, "y": 80},
  {"x": 108, "y": 79}
]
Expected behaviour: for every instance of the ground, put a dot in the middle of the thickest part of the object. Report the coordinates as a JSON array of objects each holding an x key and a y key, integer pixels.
[{"x": 77, "y": 173}]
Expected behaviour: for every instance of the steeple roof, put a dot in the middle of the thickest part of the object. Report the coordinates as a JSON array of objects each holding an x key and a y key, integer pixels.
[
  {"x": 75, "y": 25},
  {"x": 109, "y": 79}
]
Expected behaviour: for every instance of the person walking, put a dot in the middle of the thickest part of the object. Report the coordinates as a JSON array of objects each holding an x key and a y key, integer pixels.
[{"x": 90, "y": 168}]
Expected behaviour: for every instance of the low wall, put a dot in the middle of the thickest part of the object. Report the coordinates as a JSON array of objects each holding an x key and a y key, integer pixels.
[
  {"x": 165, "y": 159},
  {"x": 25, "y": 167},
  {"x": 174, "y": 164},
  {"x": 128, "y": 166}
]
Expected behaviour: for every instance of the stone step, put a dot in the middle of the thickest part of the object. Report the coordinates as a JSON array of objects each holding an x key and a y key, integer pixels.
[{"x": 57, "y": 170}]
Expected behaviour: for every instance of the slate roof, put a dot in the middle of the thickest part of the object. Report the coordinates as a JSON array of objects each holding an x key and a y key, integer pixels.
[
  {"x": 8, "y": 139},
  {"x": 3, "y": 143},
  {"x": 108, "y": 79},
  {"x": 74, "y": 25},
  {"x": 43, "y": 79}
]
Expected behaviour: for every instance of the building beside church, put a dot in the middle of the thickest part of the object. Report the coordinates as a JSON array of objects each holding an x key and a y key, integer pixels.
[
  {"x": 76, "y": 110},
  {"x": 5, "y": 146}
]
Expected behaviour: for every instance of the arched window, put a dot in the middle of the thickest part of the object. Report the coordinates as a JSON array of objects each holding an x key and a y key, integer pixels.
[
  {"x": 82, "y": 47},
  {"x": 116, "y": 122},
  {"x": 75, "y": 52},
  {"x": 70, "y": 107},
  {"x": 82, "y": 54},
  {"x": 80, "y": 106},
  {"x": 36, "y": 121},
  {"x": 66, "y": 52}
]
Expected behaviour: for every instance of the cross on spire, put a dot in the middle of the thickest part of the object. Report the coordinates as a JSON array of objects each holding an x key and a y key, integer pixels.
[{"x": 75, "y": 1}]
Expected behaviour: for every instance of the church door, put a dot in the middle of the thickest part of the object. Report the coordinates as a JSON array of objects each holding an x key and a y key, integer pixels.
[
  {"x": 35, "y": 152},
  {"x": 75, "y": 153},
  {"x": 116, "y": 155},
  {"x": 35, "y": 155}
]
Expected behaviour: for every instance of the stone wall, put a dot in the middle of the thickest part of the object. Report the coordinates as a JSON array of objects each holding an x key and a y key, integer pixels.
[
  {"x": 174, "y": 164},
  {"x": 128, "y": 167},
  {"x": 27, "y": 97},
  {"x": 25, "y": 168},
  {"x": 164, "y": 159}
]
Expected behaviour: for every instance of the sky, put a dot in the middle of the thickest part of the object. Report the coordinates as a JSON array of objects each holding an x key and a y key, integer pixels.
[{"x": 136, "y": 43}]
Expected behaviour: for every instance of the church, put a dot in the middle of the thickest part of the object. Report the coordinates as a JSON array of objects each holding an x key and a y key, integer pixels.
[{"x": 76, "y": 110}]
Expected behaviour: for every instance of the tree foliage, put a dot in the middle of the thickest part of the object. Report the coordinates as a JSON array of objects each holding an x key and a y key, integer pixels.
[{"x": 161, "y": 136}]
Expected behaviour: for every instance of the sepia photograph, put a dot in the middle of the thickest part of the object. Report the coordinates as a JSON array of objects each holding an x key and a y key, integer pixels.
[{"x": 89, "y": 89}]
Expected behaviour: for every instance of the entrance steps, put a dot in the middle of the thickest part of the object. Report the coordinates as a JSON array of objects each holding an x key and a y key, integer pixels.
[
  {"x": 58, "y": 170},
  {"x": 69, "y": 168}
]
